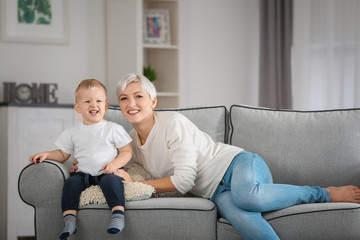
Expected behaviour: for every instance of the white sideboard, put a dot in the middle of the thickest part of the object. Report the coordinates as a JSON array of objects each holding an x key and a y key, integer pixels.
[{"x": 25, "y": 130}]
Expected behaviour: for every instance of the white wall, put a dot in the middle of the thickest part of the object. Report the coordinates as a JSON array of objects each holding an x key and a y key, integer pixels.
[
  {"x": 121, "y": 42},
  {"x": 221, "y": 40},
  {"x": 219, "y": 61},
  {"x": 66, "y": 65}
]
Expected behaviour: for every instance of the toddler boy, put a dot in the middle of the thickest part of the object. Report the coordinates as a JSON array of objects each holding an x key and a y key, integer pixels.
[{"x": 100, "y": 147}]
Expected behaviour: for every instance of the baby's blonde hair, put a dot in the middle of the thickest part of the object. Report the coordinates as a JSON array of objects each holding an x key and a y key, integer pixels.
[{"x": 88, "y": 83}]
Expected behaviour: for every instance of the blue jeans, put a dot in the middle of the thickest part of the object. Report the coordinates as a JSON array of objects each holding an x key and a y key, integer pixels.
[{"x": 247, "y": 190}]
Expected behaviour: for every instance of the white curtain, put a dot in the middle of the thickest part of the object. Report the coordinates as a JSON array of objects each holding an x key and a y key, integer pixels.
[{"x": 326, "y": 54}]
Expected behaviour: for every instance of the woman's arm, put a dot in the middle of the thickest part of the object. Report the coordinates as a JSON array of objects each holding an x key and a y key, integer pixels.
[
  {"x": 160, "y": 185},
  {"x": 56, "y": 155}
]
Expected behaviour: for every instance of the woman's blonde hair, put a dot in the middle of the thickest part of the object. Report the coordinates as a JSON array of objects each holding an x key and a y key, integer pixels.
[{"x": 130, "y": 78}]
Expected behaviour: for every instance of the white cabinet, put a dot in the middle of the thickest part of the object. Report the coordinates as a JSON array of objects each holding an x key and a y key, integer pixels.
[
  {"x": 25, "y": 130},
  {"x": 127, "y": 52}
]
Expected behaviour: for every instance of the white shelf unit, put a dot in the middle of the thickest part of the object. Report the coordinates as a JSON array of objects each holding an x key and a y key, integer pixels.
[
  {"x": 163, "y": 58},
  {"x": 160, "y": 46},
  {"x": 127, "y": 53}
]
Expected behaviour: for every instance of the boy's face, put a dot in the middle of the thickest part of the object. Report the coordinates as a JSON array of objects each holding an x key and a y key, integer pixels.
[{"x": 91, "y": 104}]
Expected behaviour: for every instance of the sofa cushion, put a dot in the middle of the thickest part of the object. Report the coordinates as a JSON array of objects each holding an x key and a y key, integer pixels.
[
  {"x": 304, "y": 148},
  {"x": 307, "y": 221},
  {"x": 212, "y": 120},
  {"x": 156, "y": 218}
]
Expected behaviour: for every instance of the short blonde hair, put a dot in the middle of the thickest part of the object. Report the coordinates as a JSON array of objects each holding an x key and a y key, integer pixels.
[
  {"x": 132, "y": 77},
  {"x": 89, "y": 83}
]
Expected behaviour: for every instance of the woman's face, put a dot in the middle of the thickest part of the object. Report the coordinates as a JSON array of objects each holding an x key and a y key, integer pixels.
[{"x": 136, "y": 104}]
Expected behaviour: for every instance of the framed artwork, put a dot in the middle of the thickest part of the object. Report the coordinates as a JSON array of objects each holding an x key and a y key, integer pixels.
[
  {"x": 37, "y": 21},
  {"x": 156, "y": 26}
]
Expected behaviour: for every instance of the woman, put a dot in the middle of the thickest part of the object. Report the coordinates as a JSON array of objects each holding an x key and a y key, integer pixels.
[{"x": 182, "y": 157}]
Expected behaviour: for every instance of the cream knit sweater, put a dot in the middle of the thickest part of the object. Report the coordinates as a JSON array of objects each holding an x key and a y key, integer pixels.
[{"x": 176, "y": 148}]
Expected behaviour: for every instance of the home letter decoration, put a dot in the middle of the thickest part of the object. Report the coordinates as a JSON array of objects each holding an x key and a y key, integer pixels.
[
  {"x": 9, "y": 92},
  {"x": 34, "y": 93},
  {"x": 50, "y": 93}
]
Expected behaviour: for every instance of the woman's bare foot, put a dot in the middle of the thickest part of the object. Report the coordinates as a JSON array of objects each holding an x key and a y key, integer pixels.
[{"x": 344, "y": 194}]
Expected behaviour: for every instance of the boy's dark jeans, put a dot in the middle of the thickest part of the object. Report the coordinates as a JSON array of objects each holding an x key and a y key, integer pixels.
[{"x": 111, "y": 185}]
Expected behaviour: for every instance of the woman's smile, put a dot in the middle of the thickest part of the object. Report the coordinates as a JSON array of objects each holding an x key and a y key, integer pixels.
[{"x": 133, "y": 111}]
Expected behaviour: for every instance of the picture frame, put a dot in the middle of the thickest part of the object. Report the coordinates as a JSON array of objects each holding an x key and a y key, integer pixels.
[
  {"x": 43, "y": 23},
  {"x": 156, "y": 26}
]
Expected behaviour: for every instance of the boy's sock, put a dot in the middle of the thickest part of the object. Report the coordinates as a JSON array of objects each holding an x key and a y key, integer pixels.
[
  {"x": 117, "y": 222},
  {"x": 69, "y": 226}
]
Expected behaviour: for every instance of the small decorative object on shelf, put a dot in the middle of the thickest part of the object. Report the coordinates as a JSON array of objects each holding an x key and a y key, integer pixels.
[
  {"x": 150, "y": 73},
  {"x": 26, "y": 93},
  {"x": 156, "y": 26}
]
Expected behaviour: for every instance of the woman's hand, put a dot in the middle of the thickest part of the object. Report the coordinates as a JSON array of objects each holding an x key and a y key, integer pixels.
[
  {"x": 125, "y": 175},
  {"x": 74, "y": 167},
  {"x": 109, "y": 168}
]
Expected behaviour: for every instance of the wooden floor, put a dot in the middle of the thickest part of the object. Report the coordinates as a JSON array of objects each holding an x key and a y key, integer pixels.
[{"x": 26, "y": 238}]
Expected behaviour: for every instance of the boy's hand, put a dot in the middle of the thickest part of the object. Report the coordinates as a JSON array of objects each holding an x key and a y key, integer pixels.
[
  {"x": 39, "y": 157},
  {"x": 109, "y": 168},
  {"x": 55, "y": 155},
  {"x": 74, "y": 167}
]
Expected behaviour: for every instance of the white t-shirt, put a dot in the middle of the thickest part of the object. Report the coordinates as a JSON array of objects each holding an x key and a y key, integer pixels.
[
  {"x": 93, "y": 145},
  {"x": 178, "y": 149}
]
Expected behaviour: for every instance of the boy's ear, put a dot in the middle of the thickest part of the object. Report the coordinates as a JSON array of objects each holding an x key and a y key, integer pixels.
[
  {"x": 76, "y": 107},
  {"x": 107, "y": 106}
]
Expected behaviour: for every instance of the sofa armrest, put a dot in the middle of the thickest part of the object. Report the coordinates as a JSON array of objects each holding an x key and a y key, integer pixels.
[{"x": 40, "y": 186}]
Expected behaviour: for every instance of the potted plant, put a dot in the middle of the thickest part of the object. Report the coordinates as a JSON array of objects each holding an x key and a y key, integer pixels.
[{"x": 150, "y": 73}]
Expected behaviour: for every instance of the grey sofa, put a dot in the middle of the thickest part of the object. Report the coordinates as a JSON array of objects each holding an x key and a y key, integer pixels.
[{"x": 305, "y": 148}]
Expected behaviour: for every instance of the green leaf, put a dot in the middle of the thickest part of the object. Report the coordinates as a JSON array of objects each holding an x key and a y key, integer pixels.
[
  {"x": 42, "y": 20},
  {"x": 150, "y": 73},
  {"x": 43, "y": 6},
  {"x": 29, "y": 15}
]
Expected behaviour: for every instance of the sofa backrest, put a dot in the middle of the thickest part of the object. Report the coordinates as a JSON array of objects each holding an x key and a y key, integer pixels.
[
  {"x": 114, "y": 114},
  {"x": 305, "y": 148},
  {"x": 212, "y": 120}
]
